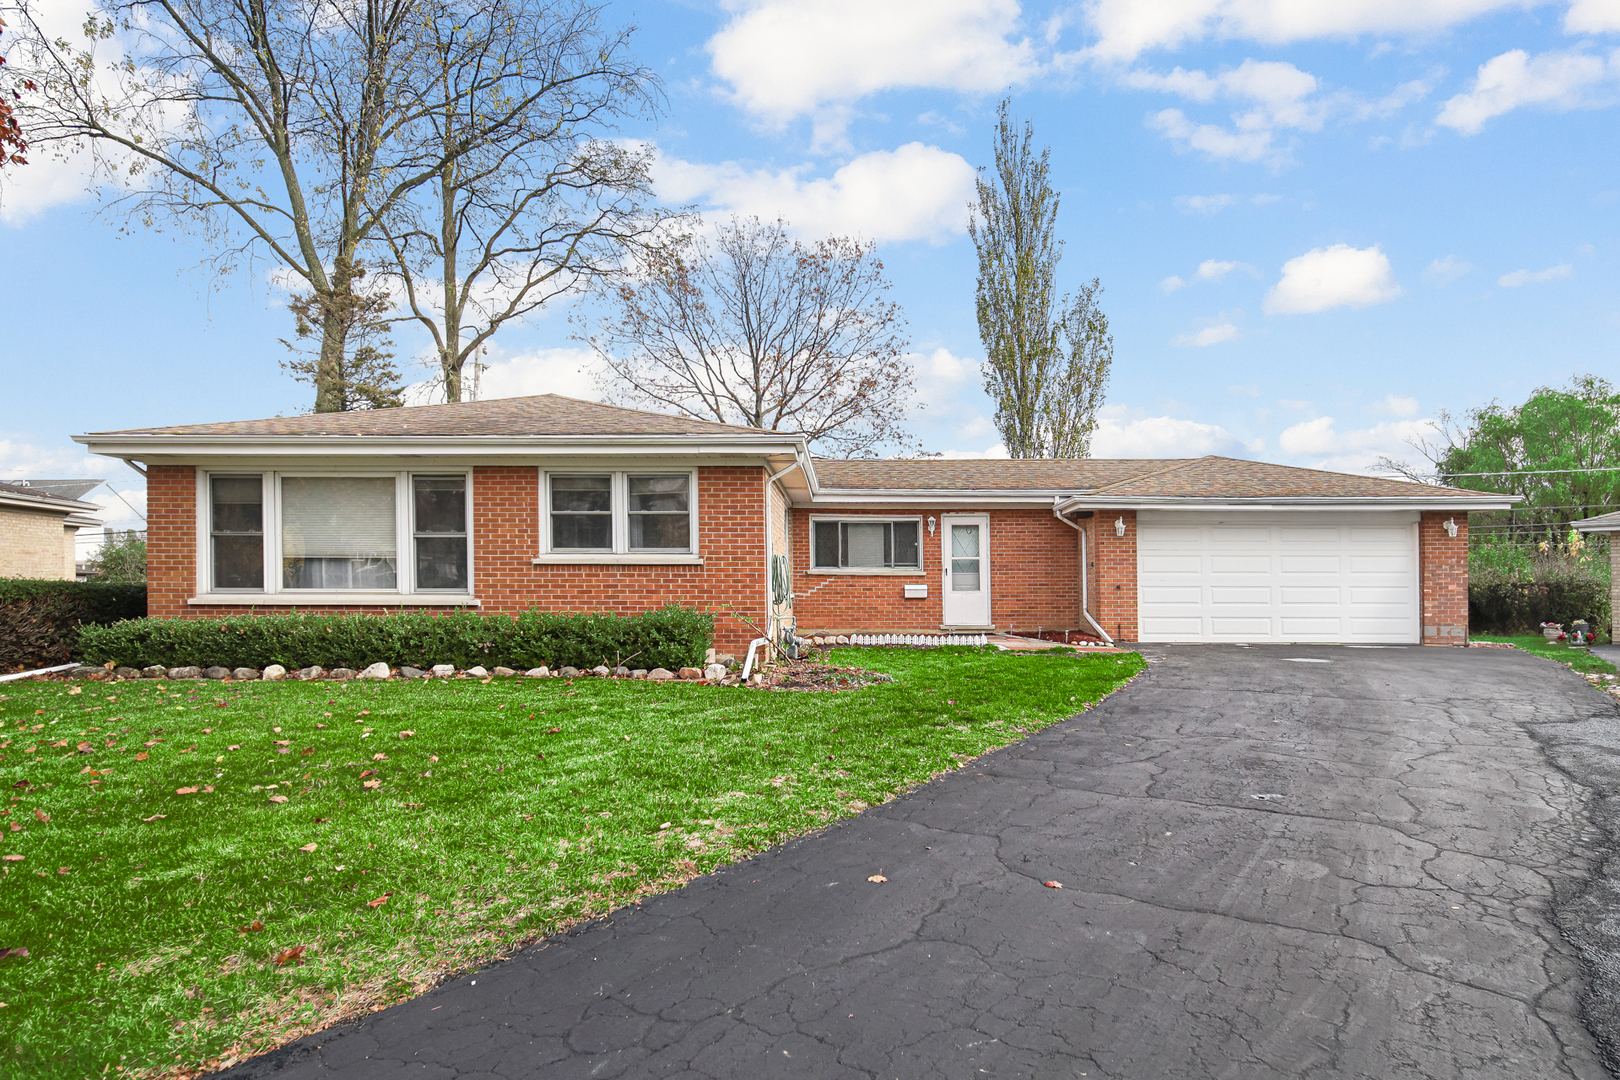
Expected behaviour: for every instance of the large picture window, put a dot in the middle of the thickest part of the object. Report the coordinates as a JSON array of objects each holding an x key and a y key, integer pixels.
[
  {"x": 398, "y": 533},
  {"x": 620, "y": 513},
  {"x": 865, "y": 544}
]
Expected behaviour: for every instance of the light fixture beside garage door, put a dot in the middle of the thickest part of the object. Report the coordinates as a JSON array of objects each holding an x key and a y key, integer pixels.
[{"x": 1119, "y": 527}]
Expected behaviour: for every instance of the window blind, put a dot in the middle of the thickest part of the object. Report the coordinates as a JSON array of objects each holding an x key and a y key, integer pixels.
[{"x": 337, "y": 517}]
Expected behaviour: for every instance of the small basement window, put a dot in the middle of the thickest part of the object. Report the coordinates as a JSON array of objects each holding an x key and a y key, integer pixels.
[{"x": 866, "y": 544}]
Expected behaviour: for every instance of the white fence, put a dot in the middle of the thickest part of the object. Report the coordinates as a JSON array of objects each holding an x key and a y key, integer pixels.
[{"x": 917, "y": 639}]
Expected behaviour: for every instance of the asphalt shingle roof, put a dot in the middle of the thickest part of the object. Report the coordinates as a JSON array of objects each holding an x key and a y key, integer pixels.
[
  {"x": 545, "y": 414},
  {"x": 1601, "y": 523}
]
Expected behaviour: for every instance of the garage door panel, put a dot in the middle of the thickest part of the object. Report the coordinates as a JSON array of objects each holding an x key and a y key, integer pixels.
[{"x": 1283, "y": 576}]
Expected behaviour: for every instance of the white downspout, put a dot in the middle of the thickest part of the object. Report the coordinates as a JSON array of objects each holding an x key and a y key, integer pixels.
[{"x": 1084, "y": 599}]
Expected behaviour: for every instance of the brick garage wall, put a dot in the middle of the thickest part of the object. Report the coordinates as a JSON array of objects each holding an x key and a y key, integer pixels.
[
  {"x": 1034, "y": 578},
  {"x": 1444, "y": 572},
  {"x": 31, "y": 544},
  {"x": 1113, "y": 573},
  {"x": 731, "y": 538},
  {"x": 506, "y": 538}
]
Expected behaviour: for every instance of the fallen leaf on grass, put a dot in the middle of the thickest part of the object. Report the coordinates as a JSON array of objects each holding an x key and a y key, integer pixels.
[
  {"x": 185, "y": 791},
  {"x": 877, "y": 878},
  {"x": 19, "y": 953},
  {"x": 554, "y": 731},
  {"x": 380, "y": 901},
  {"x": 278, "y": 798},
  {"x": 371, "y": 783},
  {"x": 84, "y": 748},
  {"x": 42, "y": 815},
  {"x": 23, "y": 783},
  {"x": 379, "y": 757},
  {"x": 16, "y": 827},
  {"x": 290, "y": 956},
  {"x": 237, "y": 747},
  {"x": 142, "y": 756},
  {"x": 252, "y": 928},
  {"x": 154, "y": 817},
  {"x": 368, "y": 772},
  {"x": 1053, "y": 884},
  {"x": 406, "y": 734},
  {"x": 283, "y": 750},
  {"x": 309, "y": 847},
  {"x": 61, "y": 869},
  {"x": 11, "y": 858}
]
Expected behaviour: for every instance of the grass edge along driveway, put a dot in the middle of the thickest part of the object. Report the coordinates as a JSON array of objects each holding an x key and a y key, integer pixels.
[
  {"x": 1577, "y": 660},
  {"x": 210, "y": 870}
]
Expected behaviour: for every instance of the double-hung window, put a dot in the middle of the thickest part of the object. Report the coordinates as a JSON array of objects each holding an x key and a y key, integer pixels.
[
  {"x": 619, "y": 513},
  {"x": 865, "y": 544},
  {"x": 298, "y": 534}
]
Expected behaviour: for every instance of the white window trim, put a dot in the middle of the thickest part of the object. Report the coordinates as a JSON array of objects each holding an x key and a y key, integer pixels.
[
  {"x": 867, "y": 571},
  {"x": 621, "y": 554},
  {"x": 275, "y": 595}
]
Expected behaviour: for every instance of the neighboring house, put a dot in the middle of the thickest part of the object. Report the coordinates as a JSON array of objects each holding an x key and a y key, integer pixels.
[
  {"x": 570, "y": 505},
  {"x": 1607, "y": 523},
  {"x": 38, "y": 528}
]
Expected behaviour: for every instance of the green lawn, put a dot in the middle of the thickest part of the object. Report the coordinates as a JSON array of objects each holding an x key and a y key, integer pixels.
[
  {"x": 475, "y": 816},
  {"x": 1578, "y": 659}
]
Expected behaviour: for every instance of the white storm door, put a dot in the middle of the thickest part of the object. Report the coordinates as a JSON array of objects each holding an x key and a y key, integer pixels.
[{"x": 966, "y": 577}]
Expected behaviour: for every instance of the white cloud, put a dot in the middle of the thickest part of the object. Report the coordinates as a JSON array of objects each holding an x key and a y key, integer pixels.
[
  {"x": 1215, "y": 269},
  {"x": 1204, "y": 204},
  {"x": 1127, "y": 28},
  {"x": 1209, "y": 335},
  {"x": 1337, "y": 276},
  {"x": 915, "y": 192},
  {"x": 1527, "y": 277},
  {"x": 998, "y": 452},
  {"x": 785, "y": 58},
  {"x": 940, "y": 378},
  {"x": 1325, "y": 447},
  {"x": 1172, "y": 283},
  {"x": 1124, "y": 433},
  {"x": 1557, "y": 80},
  {"x": 565, "y": 371},
  {"x": 1445, "y": 270},
  {"x": 29, "y": 461},
  {"x": 1396, "y": 405},
  {"x": 1592, "y": 17},
  {"x": 1278, "y": 97}
]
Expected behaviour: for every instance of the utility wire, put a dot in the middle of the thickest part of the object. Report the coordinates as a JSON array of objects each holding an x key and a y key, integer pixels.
[{"x": 1532, "y": 472}]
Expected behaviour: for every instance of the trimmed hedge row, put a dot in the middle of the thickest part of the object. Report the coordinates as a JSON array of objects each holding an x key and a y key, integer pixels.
[
  {"x": 670, "y": 637},
  {"x": 41, "y": 621},
  {"x": 1498, "y": 605}
]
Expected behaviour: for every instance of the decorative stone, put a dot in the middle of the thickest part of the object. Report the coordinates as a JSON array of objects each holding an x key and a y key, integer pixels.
[
  {"x": 314, "y": 671},
  {"x": 570, "y": 672},
  {"x": 639, "y": 673},
  {"x": 724, "y": 659},
  {"x": 216, "y": 673},
  {"x": 246, "y": 674},
  {"x": 127, "y": 672},
  {"x": 442, "y": 671},
  {"x": 84, "y": 671},
  {"x": 275, "y": 673},
  {"x": 708, "y": 655},
  {"x": 659, "y": 674},
  {"x": 156, "y": 671},
  {"x": 537, "y": 672},
  {"x": 691, "y": 673},
  {"x": 477, "y": 672},
  {"x": 621, "y": 671},
  {"x": 715, "y": 672},
  {"x": 379, "y": 670},
  {"x": 185, "y": 673},
  {"x": 342, "y": 673},
  {"x": 503, "y": 672},
  {"x": 731, "y": 680},
  {"x": 409, "y": 672},
  {"x": 601, "y": 671},
  {"x": 843, "y": 639}
]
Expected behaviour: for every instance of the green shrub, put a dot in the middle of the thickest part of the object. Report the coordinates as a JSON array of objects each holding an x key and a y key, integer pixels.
[
  {"x": 1500, "y": 603},
  {"x": 670, "y": 637},
  {"x": 41, "y": 621}
]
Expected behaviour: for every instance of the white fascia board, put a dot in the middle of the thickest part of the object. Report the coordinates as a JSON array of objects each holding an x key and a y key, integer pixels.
[
  {"x": 1458, "y": 503},
  {"x": 149, "y": 447},
  {"x": 934, "y": 497},
  {"x": 53, "y": 504}
]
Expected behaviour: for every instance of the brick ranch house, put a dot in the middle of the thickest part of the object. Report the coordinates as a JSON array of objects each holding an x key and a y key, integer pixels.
[{"x": 557, "y": 503}]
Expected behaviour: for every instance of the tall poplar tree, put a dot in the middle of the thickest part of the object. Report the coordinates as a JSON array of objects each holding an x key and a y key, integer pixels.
[{"x": 1046, "y": 360}]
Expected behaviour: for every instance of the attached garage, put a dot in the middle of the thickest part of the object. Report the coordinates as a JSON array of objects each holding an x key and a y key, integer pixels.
[{"x": 1302, "y": 576}]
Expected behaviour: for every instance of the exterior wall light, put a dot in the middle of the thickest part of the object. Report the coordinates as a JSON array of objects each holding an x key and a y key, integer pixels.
[
  {"x": 1119, "y": 527},
  {"x": 1451, "y": 527},
  {"x": 930, "y": 526}
]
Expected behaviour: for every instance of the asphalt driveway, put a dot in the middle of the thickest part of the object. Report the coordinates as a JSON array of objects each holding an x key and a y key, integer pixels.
[{"x": 1276, "y": 862}]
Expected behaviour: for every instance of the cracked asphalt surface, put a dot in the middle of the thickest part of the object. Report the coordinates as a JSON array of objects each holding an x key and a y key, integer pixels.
[{"x": 1390, "y": 908}]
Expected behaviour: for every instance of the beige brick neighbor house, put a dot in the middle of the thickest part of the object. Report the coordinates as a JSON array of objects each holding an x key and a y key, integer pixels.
[{"x": 37, "y": 532}]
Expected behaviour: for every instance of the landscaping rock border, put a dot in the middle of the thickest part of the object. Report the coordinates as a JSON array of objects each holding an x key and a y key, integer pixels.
[{"x": 718, "y": 670}]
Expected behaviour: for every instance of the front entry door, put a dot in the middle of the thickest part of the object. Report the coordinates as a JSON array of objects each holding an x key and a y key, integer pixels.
[{"x": 966, "y": 577}]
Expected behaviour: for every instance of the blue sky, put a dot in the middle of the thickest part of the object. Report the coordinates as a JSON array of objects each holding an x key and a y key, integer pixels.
[{"x": 1317, "y": 225}]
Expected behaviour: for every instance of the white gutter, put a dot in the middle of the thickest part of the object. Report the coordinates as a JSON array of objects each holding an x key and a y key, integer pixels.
[
  {"x": 1083, "y": 576},
  {"x": 115, "y": 444},
  {"x": 1313, "y": 502}
]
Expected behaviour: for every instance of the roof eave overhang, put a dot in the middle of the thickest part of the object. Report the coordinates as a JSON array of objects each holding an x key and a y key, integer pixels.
[
  {"x": 47, "y": 503},
  {"x": 145, "y": 447},
  {"x": 1313, "y": 502},
  {"x": 935, "y": 497}
]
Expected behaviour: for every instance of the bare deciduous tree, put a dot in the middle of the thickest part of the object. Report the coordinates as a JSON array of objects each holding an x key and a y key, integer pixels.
[
  {"x": 1069, "y": 408},
  {"x": 544, "y": 205},
  {"x": 762, "y": 330}
]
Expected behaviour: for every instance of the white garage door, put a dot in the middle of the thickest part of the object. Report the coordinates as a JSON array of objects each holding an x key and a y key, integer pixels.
[{"x": 1277, "y": 577}]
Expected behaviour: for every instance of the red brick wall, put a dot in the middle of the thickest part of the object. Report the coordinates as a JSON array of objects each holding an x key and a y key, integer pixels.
[
  {"x": 1034, "y": 578},
  {"x": 506, "y": 538},
  {"x": 1113, "y": 573},
  {"x": 1444, "y": 572}
]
